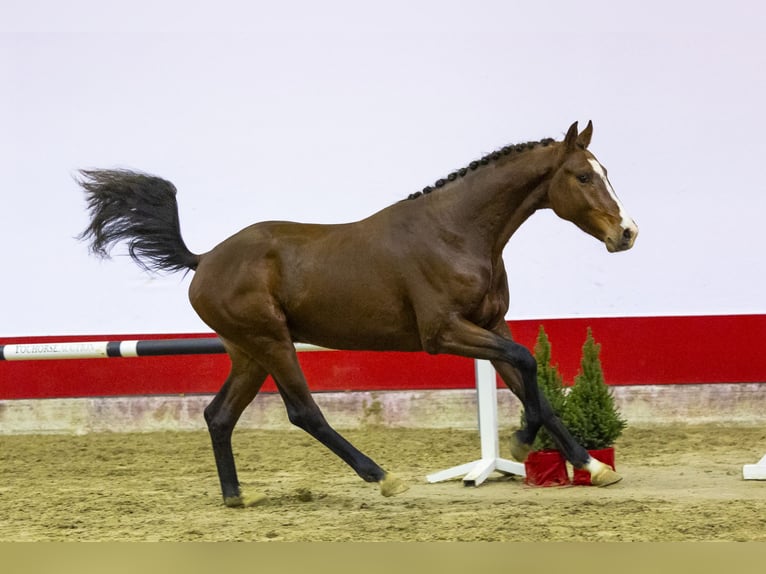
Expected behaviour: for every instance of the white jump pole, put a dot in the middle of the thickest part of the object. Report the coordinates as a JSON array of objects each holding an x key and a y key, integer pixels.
[
  {"x": 114, "y": 349},
  {"x": 477, "y": 471}
]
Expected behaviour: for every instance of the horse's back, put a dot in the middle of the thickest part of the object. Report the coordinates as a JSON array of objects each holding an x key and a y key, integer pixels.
[{"x": 339, "y": 286}]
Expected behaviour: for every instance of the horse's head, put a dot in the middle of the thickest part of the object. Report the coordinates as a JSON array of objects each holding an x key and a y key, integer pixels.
[{"x": 580, "y": 192}]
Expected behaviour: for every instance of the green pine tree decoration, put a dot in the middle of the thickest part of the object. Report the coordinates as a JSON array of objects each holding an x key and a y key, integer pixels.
[
  {"x": 551, "y": 384},
  {"x": 591, "y": 415}
]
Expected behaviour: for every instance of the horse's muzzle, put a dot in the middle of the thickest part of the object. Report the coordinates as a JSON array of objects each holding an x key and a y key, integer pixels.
[{"x": 624, "y": 240}]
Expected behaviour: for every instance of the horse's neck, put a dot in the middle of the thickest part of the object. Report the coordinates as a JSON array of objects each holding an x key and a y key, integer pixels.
[{"x": 494, "y": 201}]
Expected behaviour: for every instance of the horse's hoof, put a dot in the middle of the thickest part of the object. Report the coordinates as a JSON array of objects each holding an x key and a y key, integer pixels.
[
  {"x": 519, "y": 450},
  {"x": 391, "y": 485},
  {"x": 604, "y": 476},
  {"x": 244, "y": 500}
]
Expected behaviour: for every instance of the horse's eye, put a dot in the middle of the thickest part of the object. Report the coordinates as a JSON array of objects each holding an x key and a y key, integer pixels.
[{"x": 583, "y": 178}]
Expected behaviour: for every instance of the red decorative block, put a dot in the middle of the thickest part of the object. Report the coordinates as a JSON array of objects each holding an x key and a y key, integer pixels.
[{"x": 546, "y": 468}]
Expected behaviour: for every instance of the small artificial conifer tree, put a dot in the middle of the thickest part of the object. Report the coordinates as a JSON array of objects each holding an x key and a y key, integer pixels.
[
  {"x": 550, "y": 383},
  {"x": 590, "y": 414}
]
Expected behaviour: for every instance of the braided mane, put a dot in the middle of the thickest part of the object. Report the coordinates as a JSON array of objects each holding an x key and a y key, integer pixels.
[{"x": 474, "y": 165}]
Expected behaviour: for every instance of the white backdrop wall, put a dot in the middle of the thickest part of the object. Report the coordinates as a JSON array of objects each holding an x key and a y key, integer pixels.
[{"x": 328, "y": 111}]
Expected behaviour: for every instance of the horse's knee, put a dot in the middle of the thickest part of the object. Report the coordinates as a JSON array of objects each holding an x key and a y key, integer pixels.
[{"x": 524, "y": 361}]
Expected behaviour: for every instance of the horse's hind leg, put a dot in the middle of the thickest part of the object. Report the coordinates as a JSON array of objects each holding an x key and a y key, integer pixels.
[
  {"x": 305, "y": 414},
  {"x": 222, "y": 414}
]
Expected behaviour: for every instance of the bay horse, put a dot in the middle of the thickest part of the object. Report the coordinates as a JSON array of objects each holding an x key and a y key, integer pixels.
[{"x": 423, "y": 274}]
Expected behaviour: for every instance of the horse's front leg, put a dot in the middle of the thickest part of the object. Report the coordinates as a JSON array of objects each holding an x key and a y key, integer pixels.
[
  {"x": 522, "y": 439},
  {"x": 538, "y": 412},
  {"x": 518, "y": 369}
]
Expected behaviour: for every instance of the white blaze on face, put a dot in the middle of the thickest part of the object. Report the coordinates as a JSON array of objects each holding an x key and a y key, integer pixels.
[{"x": 627, "y": 222}]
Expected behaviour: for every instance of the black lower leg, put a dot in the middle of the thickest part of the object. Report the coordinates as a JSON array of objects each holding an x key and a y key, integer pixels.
[
  {"x": 568, "y": 446},
  {"x": 224, "y": 457},
  {"x": 531, "y": 396},
  {"x": 310, "y": 419},
  {"x": 222, "y": 415},
  {"x": 520, "y": 375}
]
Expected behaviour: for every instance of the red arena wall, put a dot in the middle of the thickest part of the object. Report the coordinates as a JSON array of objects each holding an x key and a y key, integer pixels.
[{"x": 635, "y": 351}]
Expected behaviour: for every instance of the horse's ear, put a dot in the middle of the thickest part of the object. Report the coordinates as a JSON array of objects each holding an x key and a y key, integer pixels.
[
  {"x": 583, "y": 140},
  {"x": 570, "y": 140}
]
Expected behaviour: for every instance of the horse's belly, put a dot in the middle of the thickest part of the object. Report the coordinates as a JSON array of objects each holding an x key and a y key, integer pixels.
[{"x": 354, "y": 321}]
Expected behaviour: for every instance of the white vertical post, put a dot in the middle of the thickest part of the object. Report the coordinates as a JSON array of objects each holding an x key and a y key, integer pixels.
[{"x": 486, "y": 390}]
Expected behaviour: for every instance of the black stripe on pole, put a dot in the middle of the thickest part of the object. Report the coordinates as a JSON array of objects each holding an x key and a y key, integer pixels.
[
  {"x": 150, "y": 348},
  {"x": 113, "y": 349}
]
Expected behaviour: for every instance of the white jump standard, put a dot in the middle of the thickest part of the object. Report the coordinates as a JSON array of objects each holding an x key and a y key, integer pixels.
[
  {"x": 755, "y": 471},
  {"x": 476, "y": 472}
]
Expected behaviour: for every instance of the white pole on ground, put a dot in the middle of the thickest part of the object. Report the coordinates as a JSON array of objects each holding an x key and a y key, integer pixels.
[{"x": 477, "y": 471}]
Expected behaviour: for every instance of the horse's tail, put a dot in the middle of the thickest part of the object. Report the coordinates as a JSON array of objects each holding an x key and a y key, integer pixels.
[{"x": 140, "y": 209}]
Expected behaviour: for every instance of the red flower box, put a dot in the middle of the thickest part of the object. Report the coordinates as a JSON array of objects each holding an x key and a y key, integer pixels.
[{"x": 546, "y": 468}]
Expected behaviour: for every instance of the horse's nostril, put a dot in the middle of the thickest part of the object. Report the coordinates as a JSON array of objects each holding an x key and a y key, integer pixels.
[{"x": 627, "y": 233}]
